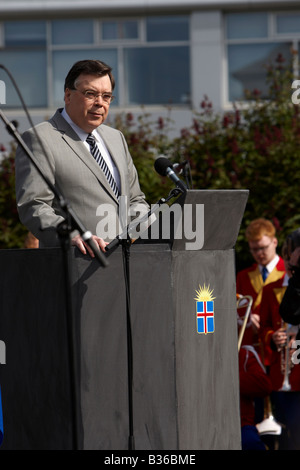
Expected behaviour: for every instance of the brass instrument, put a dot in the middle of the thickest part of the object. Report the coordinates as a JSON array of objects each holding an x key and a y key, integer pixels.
[
  {"x": 249, "y": 301},
  {"x": 269, "y": 425},
  {"x": 286, "y": 363}
]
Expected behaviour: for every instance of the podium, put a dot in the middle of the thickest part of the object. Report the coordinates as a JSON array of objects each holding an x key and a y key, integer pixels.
[{"x": 185, "y": 360}]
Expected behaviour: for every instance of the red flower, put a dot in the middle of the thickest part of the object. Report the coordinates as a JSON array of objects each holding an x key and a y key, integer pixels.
[
  {"x": 226, "y": 121},
  {"x": 160, "y": 123},
  {"x": 276, "y": 224}
]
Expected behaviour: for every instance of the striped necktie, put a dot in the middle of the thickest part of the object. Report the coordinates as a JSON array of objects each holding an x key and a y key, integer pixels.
[{"x": 102, "y": 163}]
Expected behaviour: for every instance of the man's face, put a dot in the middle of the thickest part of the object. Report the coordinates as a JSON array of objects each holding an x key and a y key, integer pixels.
[
  {"x": 263, "y": 250},
  {"x": 88, "y": 113}
]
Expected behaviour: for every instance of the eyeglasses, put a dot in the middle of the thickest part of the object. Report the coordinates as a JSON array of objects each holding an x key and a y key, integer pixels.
[
  {"x": 261, "y": 248},
  {"x": 92, "y": 95}
]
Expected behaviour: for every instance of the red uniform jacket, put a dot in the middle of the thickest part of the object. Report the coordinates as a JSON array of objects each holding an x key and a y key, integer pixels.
[{"x": 249, "y": 282}]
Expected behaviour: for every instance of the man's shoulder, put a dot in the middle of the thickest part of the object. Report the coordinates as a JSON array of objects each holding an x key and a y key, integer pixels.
[
  {"x": 53, "y": 123},
  {"x": 280, "y": 264}
]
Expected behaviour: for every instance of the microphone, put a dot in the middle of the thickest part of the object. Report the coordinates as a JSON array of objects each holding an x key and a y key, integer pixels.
[{"x": 164, "y": 167}]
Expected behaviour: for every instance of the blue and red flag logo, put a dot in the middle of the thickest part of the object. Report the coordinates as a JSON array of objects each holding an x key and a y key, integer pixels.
[
  {"x": 205, "y": 310},
  {"x": 205, "y": 316}
]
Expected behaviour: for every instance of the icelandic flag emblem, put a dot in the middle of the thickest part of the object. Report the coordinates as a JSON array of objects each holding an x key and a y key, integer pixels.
[
  {"x": 205, "y": 317},
  {"x": 205, "y": 311}
]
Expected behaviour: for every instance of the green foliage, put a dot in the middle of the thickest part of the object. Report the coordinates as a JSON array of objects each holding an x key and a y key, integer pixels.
[
  {"x": 146, "y": 141},
  {"x": 12, "y": 232},
  {"x": 254, "y": 146}
]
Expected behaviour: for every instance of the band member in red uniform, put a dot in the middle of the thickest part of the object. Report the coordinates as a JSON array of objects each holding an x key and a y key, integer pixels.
[
  {"x": 276, "y": 335},
  {"x": 277, "y": 338},
  {"x": 268, "y": 267}
]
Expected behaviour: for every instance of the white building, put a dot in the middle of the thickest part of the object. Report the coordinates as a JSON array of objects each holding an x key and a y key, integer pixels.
[{"x": 164, "y": 53}]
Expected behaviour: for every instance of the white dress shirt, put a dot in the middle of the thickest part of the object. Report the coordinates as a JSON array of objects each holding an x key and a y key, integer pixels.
[{"x": 270, "y": 266}]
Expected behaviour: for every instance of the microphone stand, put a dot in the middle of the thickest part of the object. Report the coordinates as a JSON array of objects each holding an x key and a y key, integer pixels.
[
  {"x": 187, "y": 176},
  {"x": 64, "y": 229},
  {"x": 126, "y": 241}
]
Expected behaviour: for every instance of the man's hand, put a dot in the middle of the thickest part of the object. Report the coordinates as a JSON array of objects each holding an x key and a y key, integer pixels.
[
  {"x": 280, "y": 338},
  {"x": 255, "y": 322},
  {"x": 84, "y": 247}
]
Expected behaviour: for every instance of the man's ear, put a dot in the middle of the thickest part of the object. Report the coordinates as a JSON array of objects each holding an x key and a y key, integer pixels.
[{"x": 67, "y": 95}]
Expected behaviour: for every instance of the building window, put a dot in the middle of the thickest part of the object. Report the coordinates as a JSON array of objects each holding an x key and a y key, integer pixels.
[
  {"x": 169, "y": 28},
  {"x": 116, "y": 30},
  {"x": 253, "y": 43},
  {"x": 29, "y": 71},
  {"x": 72, "y": 32},
  {"x": 157, "y": 75},
  {"x": 25, "y": 56},
  {"x": 25, "y": 33},
  {"x": 247, "y": 64},
  {"x": 247, "y": 25},
  {"x": 287, "y": 24}
]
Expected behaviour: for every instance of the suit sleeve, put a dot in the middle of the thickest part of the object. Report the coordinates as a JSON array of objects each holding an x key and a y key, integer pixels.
[{"x": 36, "y": 204}]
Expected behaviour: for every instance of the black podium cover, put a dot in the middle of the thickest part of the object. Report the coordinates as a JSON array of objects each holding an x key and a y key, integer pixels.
[{"x": 185, "y": 371}]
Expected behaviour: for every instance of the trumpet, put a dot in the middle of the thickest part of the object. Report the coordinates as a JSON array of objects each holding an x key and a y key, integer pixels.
[
  {"x": 244, "y": 301},
  {"x": 286, "y": 363},
  {"x": 285, "y": 366}
]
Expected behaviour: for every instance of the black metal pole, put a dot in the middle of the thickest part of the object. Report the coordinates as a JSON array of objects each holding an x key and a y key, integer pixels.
[
  {"x": 72, "y": 340},
  {"x": 126, "y": 264}
]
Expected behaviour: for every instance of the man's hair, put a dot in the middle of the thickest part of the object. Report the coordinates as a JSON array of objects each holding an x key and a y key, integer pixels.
[
  {"x": 258, "y": 228},
  {"x": 88, "y": 67}
]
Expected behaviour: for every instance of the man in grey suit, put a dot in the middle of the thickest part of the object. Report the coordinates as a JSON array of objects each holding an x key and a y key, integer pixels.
[{"x": 93, "y": 189}]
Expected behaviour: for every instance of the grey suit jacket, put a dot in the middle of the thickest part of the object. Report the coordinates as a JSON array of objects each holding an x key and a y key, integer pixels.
[{"x": 70, "y": 166}]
